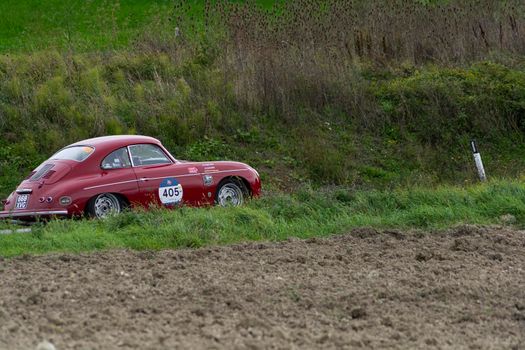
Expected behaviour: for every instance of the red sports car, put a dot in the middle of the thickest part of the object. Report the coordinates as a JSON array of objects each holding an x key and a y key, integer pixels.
[{"x": 104, "y": 175}]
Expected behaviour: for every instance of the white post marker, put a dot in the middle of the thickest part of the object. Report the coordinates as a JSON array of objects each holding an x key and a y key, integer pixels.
[{"x": 477, "y": 159}]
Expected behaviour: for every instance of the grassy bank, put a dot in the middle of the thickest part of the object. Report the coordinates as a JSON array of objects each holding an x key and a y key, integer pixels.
[
  {"x": 303, "y": 101},
  {"x": 399, "y": 127},
  {"x": 308, "y": 213},
  {"x": 30, "y": 25}
]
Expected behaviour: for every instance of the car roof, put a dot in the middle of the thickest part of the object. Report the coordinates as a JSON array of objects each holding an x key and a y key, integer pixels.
[{"x": 115, "y": 141}]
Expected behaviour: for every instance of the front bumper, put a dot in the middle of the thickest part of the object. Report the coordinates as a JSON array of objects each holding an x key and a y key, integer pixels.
[{"x": 22, "y": 214}]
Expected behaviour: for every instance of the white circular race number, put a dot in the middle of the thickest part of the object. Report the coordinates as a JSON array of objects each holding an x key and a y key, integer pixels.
[{"x": 170, "y": 191}]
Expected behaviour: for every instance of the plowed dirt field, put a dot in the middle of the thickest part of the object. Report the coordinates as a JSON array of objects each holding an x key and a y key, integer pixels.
[{"x": 459, "y": 289}]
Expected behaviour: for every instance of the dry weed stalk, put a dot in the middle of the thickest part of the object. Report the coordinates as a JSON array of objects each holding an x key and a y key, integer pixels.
[{"x": 306, "y": 52}]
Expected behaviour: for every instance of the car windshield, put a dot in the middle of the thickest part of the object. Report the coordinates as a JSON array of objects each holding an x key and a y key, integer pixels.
[{"x": 76, "y": 153}]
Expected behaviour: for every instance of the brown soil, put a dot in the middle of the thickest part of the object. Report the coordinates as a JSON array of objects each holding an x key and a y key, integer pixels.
[{"x": 461, "y": 289}]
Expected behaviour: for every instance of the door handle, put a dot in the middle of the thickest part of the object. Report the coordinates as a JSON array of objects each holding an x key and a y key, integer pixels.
[{"x": 143, "y": 179}]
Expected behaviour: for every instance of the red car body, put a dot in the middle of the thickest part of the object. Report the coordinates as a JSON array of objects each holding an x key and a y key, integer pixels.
[{"x": 68, "y": 187}]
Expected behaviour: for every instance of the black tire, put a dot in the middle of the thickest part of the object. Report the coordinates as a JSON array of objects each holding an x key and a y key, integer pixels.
[
  {"x": 105, "y": 205},
  {"x": 231, "y": 193}
]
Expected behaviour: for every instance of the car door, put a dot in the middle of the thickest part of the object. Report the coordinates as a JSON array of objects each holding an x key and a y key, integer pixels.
[
  {"x": 116, "y": 175},
  {"x": 162, "y": 181}
]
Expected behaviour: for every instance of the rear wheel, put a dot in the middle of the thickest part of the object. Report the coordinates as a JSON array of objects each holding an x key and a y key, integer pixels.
[
  {"x": 104, "y": 205},
  {"x": 231, "y": 193}
]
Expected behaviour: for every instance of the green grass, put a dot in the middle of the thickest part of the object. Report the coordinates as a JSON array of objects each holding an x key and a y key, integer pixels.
[
  {"x": 307, "y": 213},
  {"x": 83, "y": 25},
  {"x": 90, "y": 25},
  {"x": 87, "y": 25}
]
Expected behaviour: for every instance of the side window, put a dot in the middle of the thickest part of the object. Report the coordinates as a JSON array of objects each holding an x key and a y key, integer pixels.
[
  {"x": 148, "y": 154},
  {"x": 118, "y": 159}
]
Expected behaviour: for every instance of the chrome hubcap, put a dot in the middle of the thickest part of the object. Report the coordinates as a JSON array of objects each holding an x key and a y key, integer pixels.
[
  {"x": 106, "y": 205},
  {"x": 230, "y": 195}
]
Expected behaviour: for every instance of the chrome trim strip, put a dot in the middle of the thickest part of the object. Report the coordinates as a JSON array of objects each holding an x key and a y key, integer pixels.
[
  {"x": 212, "y": 171},
  {"x": 143, "y": 179},
  {"x": 14, "y": 214},
  {"x": 130, "y": 157},
  {"x": 186, "y": 175},
  {"x": 110, "y": 184},
  {"x": 163, "y": 177},
  {"x": 24, "y": 191}
]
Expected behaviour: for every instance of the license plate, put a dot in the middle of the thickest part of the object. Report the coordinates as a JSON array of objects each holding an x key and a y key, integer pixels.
[{"x": 21, "y": 201}]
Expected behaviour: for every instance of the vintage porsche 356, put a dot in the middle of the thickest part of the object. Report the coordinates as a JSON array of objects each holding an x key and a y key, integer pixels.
[{"x": 104, "y": 175}]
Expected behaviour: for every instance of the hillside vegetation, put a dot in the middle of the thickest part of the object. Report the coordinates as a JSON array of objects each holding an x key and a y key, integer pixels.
[
  {"x": 359, "y": 93},
  {"x": 276, "y": 216}
]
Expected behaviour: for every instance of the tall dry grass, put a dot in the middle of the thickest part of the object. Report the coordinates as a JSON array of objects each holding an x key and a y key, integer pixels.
[
  {"x": 445, "y": 32},
  {"x": 311, "y": 53}
]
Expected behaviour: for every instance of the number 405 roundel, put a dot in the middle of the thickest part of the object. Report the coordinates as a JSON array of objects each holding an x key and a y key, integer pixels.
[{"x": 170, "y": 191}]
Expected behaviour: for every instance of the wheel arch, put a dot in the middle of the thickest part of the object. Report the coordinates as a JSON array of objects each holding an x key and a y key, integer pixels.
[
  {"x": 241, "y": 179},
  {"x": 120, "y": 196}
]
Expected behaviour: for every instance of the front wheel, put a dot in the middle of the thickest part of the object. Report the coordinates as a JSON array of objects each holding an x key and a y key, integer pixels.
[
  {"x": 104, "y": 205},
  {"x": 231, "y": 194}
]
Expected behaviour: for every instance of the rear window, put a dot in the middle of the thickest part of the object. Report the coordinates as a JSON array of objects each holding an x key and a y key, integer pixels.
[{"x": 76, "y": 153}]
